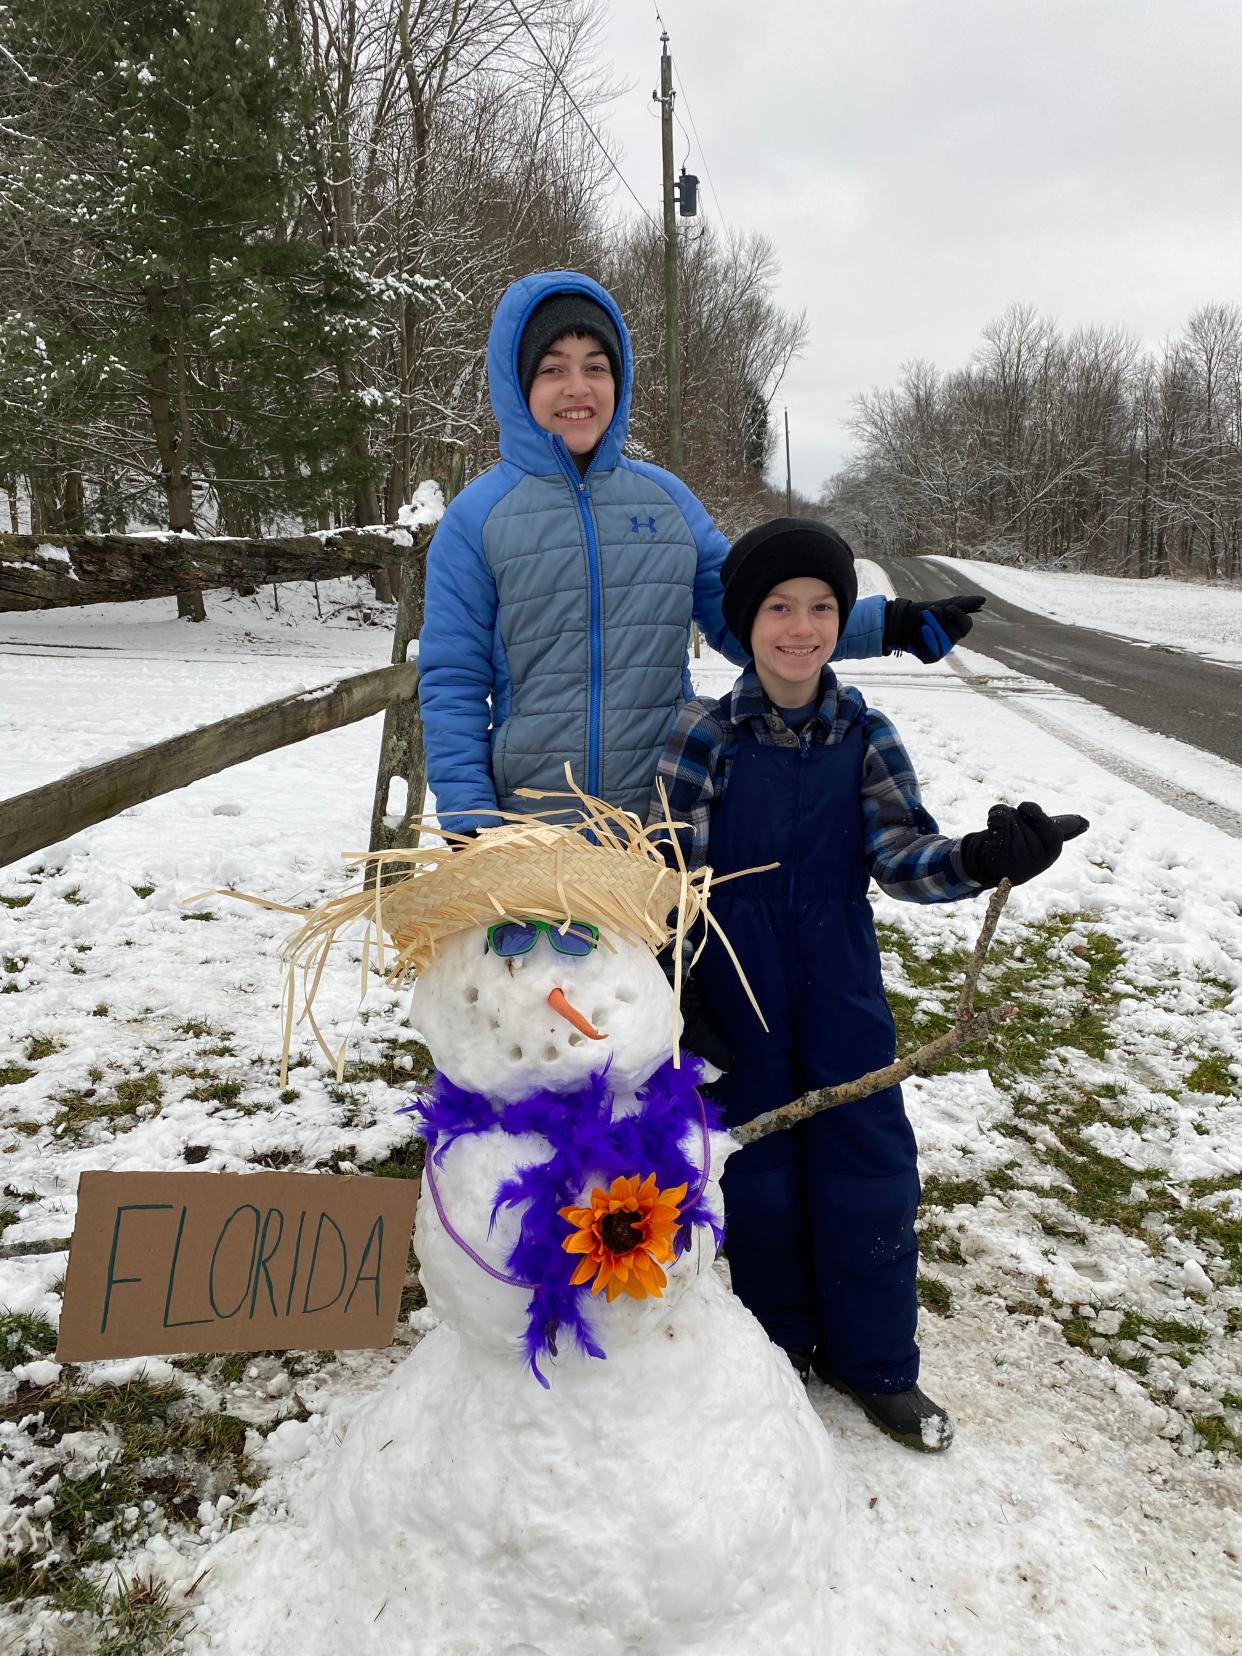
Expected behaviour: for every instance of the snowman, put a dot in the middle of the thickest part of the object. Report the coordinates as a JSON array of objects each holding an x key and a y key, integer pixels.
[{"x": 595, "y": 1446}]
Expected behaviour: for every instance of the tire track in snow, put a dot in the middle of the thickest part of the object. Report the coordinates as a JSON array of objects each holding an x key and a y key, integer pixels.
[{"x": 1018, "y": 697}]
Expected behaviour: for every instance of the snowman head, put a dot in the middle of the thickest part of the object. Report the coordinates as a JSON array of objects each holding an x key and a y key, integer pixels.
[{"x": 528, "y": 1003}]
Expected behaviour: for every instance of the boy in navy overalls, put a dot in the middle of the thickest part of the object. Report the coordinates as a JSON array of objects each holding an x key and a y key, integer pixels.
[{"x": 792, "y": 767}]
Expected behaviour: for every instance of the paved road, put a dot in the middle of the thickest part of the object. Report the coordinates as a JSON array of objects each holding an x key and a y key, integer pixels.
[{"x": 1155, "y": 686}]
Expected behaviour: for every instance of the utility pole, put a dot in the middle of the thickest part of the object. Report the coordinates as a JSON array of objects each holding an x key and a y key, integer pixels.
[
  {"x": 788, "y": 472},
  {"x": 672, "y": 324}
]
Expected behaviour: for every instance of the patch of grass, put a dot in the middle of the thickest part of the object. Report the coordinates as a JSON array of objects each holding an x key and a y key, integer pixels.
[
  {"x": 101, "y": 1011},
  {"x": 277, "y": 1160},
  {"x": 1079, "y": 1331},
  {"x": 1211, "y": 1075},
  {"x": 139, "y": 1620},
  {"x": 915, "y": 1024},
  {"x": 77, "y": 1108},
  {"x": 17, "y": 902},
  {"x": 14, "y": 963},
  {"x": 13, "y": 1075},
  {"x": 1045, "y": 1022},
  {"x": 24, "y": 1336},
  {"x": 1218, "y": 991},
  {"x": 73, "y": 897},
  {"x": 39, "y": 1047},
  {"x": 405, "y": 1162},
  {"x": 135, "y": 1091},
  {"x": 1046, "y": 1019},
  {"x": 168, "y": 1455},
  {"x": 290, "y": 1095},
  {"x": 68, "y": 1408},
  {"x": 390, "y": 1067},
  {"x": 935, "y": 1242},
  {"x": 216, "y": 1092},
  {"x": 1214, "y": 1433},
  {"x": 199, "y": 914},
  {"x": 197, "y": 1028},
  {"x": 143, "y": 891},
  {"x": 939, "y": 1191},
  {"x": 1101, "y": 1184},
  {"x": 935, "y": 1296}
]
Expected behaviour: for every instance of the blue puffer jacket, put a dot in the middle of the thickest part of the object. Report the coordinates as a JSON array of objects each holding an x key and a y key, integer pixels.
[{"x": 559, "y": 606}]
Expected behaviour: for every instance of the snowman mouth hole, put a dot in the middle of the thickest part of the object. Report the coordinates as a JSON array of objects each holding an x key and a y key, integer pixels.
[
  {"x": 516, "y": 1053},
  {"x": 550, "y": 1054},
  {"x": 576, "y": 1040},
  {"x": 627, "y": 997}
]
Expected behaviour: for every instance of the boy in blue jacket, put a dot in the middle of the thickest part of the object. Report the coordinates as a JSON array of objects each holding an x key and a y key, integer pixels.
[
  {"x": 562, "y": 582},
  {"x": 793, "y": 768}
]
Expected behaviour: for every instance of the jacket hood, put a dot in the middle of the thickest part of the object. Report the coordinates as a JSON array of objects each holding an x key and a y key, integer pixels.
[{"x": 523, "y": 442}]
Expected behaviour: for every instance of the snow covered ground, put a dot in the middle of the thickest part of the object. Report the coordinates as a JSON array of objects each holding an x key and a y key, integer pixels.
[
  {"x": 1083, "y": 1193},
  {"x": 1205, "y": 618}
]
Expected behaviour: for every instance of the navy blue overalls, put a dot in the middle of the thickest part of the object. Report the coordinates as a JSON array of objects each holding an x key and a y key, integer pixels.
[{"x": 819, "y": 1219}]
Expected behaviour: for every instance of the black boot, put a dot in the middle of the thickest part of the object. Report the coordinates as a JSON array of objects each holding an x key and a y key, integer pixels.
[
  {"x": 801, "y": 1360},
  {"x": 907, "y": 1417}
]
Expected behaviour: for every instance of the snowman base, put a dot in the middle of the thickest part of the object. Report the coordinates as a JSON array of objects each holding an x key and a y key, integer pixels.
[{"x": 679, "y": 1498}]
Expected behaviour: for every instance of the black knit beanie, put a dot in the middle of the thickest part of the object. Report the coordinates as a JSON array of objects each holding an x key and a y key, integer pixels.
[
  {"x": 783, "y": 550},
  {"x": 559, "y": 314}
]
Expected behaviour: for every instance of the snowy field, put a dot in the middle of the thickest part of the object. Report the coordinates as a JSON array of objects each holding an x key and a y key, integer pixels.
[
  {"x": 1083, "y": 1184},
  {"x": 1184, "y": 615}
]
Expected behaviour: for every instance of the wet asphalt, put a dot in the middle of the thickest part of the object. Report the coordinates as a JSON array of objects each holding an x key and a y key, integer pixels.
[{"x": 1156, "y": 686}]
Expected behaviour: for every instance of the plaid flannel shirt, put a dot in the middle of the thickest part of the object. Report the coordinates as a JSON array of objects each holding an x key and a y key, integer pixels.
[{"x": 904, "y": 850}]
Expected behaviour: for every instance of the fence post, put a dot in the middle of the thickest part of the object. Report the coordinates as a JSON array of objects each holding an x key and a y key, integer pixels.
[{"x": 401, "y": 745}]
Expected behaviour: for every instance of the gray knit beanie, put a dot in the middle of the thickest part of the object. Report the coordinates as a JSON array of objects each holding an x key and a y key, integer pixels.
[{"x": 555, "y": 316}]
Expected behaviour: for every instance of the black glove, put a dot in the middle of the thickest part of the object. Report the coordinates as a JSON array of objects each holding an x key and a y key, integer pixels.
[
  {"x": 928, "y": 631},
  {"x": 698, "y": 1033},
  {"x": 1017, "y": 844}
]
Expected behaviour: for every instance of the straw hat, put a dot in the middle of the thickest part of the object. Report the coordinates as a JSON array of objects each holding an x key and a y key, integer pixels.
[{"x": 605, "y": 867}]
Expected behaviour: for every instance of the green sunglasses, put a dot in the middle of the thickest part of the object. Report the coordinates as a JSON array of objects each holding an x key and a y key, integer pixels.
[{"x": 508, "y": 938}]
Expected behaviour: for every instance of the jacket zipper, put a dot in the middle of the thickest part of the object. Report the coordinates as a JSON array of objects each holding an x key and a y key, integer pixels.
[{"x": 582, "y": 495}]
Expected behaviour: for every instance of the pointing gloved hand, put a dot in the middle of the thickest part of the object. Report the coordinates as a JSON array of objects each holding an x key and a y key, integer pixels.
[
  {"x": 1017, "y": 844},
  {"x": 928, "y": 631}
]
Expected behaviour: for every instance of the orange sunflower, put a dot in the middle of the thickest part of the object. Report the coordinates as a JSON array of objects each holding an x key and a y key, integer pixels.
[{"x": 623, "y": 1235}]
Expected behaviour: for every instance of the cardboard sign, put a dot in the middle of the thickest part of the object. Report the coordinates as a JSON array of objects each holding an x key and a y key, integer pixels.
[{"x": 178, "y": 1262}]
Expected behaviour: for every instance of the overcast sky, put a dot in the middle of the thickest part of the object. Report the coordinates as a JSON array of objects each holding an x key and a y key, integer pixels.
[{"x": 920, "y": 164}]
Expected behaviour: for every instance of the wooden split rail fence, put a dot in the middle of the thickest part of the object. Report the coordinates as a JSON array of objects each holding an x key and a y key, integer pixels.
[{"x": 52, "y": 572}]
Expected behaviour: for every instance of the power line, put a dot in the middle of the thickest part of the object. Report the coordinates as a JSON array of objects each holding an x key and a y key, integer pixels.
[
  {"x": 557, "y": 78},
  {"x": 681, "y": 87}
]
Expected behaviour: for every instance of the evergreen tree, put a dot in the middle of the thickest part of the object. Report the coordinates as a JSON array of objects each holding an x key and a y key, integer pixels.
[{"x": 155, "y": 165}]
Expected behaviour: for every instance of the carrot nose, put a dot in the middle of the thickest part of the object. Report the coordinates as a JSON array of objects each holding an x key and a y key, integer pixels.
[{"x": 558, "y": 1003}]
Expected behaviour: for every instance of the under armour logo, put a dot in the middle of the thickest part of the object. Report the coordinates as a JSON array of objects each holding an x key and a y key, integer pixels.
[{"x": 636, "y": 527}]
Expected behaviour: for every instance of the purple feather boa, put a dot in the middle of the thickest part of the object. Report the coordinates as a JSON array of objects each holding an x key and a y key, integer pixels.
[{"x": 588, "y": 1142}]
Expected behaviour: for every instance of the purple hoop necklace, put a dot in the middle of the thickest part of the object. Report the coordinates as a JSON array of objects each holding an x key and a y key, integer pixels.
[
  {"x": 451, "y": 1231},
  {"x": 586, "y": 1140}
]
